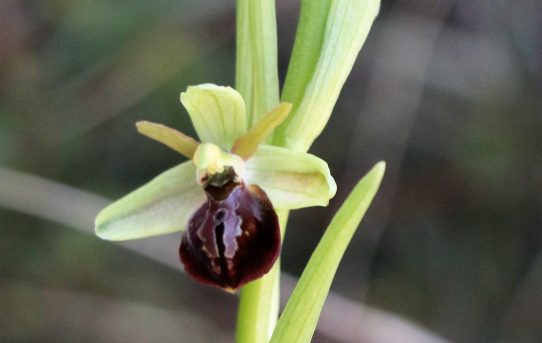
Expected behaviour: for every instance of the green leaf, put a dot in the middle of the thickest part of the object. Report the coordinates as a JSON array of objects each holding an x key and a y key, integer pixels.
[
  {"x": 306, "y": 51},
  {"x": 161, "y": 206},
  {"x": 300, "y": 316},
  {"x": 246, "y": 145},
  {"x": 176, "y": 140},
  {"x": 217, "y": 113},
  {"x": 347, "y": 25},
  {"x": 243, "y": 60},
  {"x": 291, "y": 179},
  {"x": 263, "y": 28},
  {"x": 257, "y": 71}
]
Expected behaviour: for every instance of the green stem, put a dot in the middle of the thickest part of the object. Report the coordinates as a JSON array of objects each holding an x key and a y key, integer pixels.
[
  {"x": 257, "y": 312},
  {"x": 259, "y": 304},
  {"x": 256, "y": 79}
]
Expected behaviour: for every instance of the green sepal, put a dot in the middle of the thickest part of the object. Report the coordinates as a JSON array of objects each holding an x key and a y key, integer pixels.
[
  {"x": 161, "y": 206},
  {"x": 291, "y": 179},
  {"x": 218, "y": 113}
]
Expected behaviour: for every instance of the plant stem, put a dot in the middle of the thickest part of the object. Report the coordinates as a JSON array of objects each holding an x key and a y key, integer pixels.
[
  {"x": 256, "y": 79},
  {"x": 260, "y": 300}
]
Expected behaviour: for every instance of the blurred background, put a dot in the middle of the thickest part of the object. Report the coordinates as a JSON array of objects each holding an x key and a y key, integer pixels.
[{"x": 449, "y": 93}]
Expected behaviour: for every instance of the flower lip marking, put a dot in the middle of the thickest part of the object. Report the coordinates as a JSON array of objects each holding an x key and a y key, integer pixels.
[{"x": 234, "y": 237}]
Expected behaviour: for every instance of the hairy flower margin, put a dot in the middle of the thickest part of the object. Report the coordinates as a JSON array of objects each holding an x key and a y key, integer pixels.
[{"x": 225, "y": 195}]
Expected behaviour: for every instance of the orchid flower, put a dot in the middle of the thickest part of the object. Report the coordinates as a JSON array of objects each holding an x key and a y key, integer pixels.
[{"x": 224, "y": 198}]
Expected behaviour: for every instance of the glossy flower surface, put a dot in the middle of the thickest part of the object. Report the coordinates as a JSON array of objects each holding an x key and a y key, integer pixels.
[
  {"x": 233, "y": 238},
  {"x": 225, "y": 195}
]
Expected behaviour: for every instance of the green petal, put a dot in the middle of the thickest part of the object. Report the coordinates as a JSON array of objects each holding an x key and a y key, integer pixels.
[
  {"x": 246, "y": 145},
  {"x": 291, "y": 179},
  {"x": 217, "y": 113},
  {"x": 161, "y": 206},
  {"x": 176, "y": 140}
]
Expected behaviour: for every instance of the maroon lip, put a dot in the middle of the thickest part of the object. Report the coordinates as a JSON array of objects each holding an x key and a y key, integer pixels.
[{"x": 233, "y": 238}]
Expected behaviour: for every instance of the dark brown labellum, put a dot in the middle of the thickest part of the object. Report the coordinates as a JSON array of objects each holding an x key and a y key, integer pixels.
[{"x": 233, "y": 238}]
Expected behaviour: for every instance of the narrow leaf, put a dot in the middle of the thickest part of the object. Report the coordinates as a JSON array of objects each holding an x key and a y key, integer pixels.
[
  {"x": 161, "y": 206},
  {"x": 176, "y": 140},
  {"x": 246, "y": 145},
  {"x": 347, "y": 25},
  {"x": 300, "y": 316},
  {"x": 243, "y": 60},
  {"x": 263, "y": 45},
  {"x": 306, "y": 51}
]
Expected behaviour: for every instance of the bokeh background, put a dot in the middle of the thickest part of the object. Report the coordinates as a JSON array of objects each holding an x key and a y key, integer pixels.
[{"x": 449, "y": 93}]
